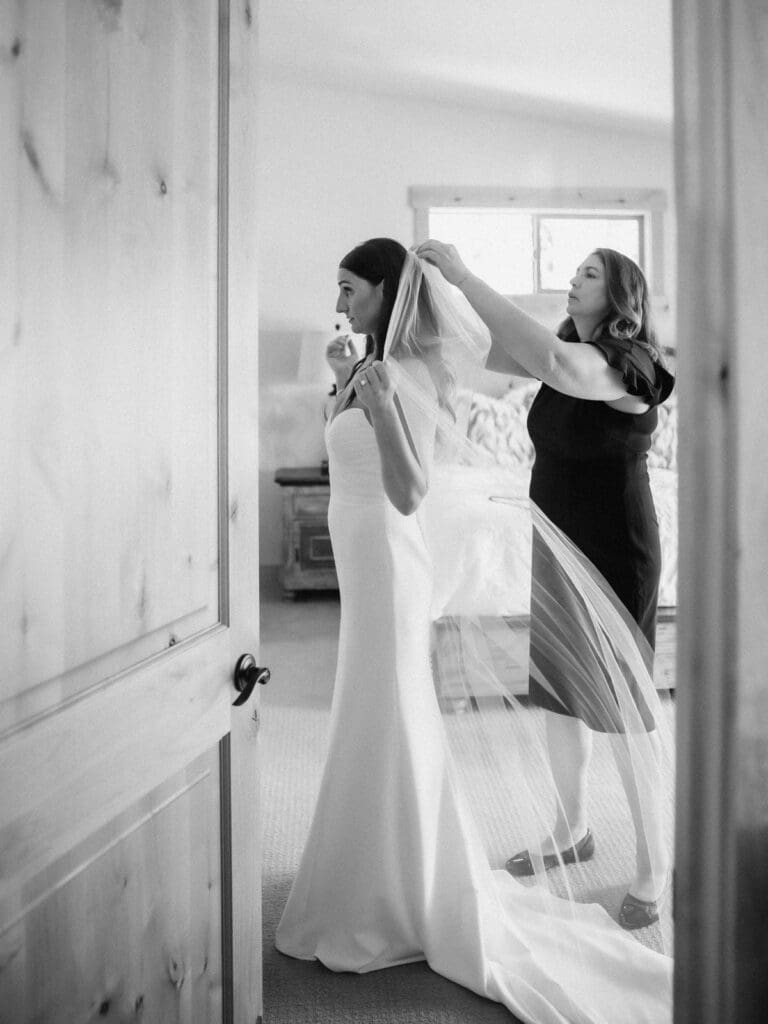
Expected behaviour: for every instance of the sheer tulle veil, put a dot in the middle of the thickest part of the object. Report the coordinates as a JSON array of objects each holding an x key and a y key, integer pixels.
[{"x": 480, "y": 646}]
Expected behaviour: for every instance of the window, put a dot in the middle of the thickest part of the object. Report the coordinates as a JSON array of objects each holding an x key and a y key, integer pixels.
[{"x": 529, "y": 243}]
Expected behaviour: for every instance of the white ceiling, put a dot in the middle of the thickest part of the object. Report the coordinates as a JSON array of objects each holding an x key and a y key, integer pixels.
[{"x": 606, "y": 60}]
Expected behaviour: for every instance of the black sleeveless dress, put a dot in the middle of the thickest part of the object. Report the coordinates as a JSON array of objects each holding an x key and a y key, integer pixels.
[{"x": 590, "y": 478}]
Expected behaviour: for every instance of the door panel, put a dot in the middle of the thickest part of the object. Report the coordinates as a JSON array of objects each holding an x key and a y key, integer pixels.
[
  {"x": 160, "y": 956},
  {"x": 76, "y": 769},
  {"x": 113, "y": 551},
  {"x": 129, "y": 829}
]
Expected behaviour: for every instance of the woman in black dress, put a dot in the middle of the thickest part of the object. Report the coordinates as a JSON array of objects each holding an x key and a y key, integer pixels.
[{"x": 591, "y": 424}]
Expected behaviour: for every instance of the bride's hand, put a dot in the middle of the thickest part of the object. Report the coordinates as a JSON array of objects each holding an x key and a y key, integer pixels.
[
  {"x": 375, "y": 387},
  {"x": 445, "y": 257},
  {"x": 341, "y": 355}
]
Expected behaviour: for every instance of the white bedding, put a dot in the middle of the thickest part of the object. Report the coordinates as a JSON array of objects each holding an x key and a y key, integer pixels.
[{"x": 490, "y": 566}]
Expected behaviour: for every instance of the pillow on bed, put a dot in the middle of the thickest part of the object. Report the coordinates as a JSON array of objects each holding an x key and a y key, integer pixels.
[
  {"x": 663, "y": 452},
  {"x": 498, "y": 426}
]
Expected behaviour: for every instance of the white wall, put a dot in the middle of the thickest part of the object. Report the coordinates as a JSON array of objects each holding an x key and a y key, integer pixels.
[{"x": 335, "y": 168}]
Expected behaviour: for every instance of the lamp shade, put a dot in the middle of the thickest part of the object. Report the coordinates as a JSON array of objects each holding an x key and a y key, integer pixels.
[{"x": 313, "y": 368}]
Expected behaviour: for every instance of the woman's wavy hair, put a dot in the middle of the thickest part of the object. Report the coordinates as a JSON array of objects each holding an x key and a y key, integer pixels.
[
  {"x": 382, "y": 259},
  {"x": 629, "y": 314}
]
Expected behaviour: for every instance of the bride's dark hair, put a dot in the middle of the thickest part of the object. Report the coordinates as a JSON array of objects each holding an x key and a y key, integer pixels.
[
  {"x": 381, "y": 260},
  {"x": 378, "y": 260}
]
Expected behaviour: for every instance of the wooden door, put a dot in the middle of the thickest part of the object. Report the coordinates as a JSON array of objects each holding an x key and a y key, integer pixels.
[{"x": 129, "y": 855}]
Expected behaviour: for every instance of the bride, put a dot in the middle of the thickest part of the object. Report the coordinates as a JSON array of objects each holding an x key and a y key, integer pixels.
[{"x": 394, "y": 868}]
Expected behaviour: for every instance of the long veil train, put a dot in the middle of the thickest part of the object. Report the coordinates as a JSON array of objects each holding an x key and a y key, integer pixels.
[
  {"x": 418, "y": 811},
  {"x": 479, "y": 657}
]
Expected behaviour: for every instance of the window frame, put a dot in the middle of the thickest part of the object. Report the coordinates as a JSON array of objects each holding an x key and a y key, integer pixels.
[{"x": 647, "y": 204}]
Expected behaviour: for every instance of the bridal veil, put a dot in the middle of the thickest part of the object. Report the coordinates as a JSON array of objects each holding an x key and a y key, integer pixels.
[{"x": 481, "y": 647}]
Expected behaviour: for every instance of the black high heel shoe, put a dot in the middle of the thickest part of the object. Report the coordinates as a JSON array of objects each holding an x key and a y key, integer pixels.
[
  {"x": 636, "y": 913},
  {"x": 521, "y": 864}
]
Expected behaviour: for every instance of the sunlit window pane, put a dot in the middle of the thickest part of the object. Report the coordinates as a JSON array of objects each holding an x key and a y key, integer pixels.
[
  {"x": 566, "y": 241},
  {"x": 497, "y": 245}
]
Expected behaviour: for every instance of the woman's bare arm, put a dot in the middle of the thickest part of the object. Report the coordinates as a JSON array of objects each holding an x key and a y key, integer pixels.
[
  {"x": 500, "y": 361},
  {"x": 581, "y": 371}
]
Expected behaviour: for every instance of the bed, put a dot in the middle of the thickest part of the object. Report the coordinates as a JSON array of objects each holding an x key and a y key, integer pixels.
[{"x": 489, "y": 575}]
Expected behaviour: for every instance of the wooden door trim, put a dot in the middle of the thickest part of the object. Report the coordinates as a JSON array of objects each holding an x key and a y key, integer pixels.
[
  {"x": 704, "y": 854},
  {"x": 243, "y": 501},
  {"x": 227, "y": 954},
  {"x": 226, "y": 512},
  {"x": 721, "y": 137},
  {"x": 147, "y": 664}
]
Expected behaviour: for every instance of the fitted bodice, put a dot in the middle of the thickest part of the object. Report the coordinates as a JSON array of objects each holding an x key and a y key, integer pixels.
[{"x": 354, "y": 467}]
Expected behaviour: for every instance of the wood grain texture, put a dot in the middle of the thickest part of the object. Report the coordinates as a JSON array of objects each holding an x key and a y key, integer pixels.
[
  {"x": 74, "y": 771},
  {"x": 244, "y": 502},
  {"x": 129, "y": 551},
  {"x": 111, "y": 149},
  {"x": 749, "y": 133},
  {"x": 138, "y": 934},
  {"x": 721, "y": 49}
]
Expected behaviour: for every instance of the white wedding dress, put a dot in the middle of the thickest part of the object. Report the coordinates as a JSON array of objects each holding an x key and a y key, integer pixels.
[{"x": 394, "y": 870}]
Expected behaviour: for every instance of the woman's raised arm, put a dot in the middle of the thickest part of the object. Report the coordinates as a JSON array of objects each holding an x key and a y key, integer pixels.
[
  {"x": 500, "y": 361},
  {"x": 581, "y": 371}
]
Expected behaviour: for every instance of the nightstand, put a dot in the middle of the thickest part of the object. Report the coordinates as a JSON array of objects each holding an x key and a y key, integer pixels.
[{"x": 307, "y": 554}]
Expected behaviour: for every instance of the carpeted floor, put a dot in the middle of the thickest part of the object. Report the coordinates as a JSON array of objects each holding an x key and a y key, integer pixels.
[
  {"x": 307, "y": 993},
  {"x": 299, "y": 645}
]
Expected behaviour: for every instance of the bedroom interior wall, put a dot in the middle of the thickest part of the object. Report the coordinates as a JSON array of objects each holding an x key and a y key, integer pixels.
[{"x": 335, "y": 168}]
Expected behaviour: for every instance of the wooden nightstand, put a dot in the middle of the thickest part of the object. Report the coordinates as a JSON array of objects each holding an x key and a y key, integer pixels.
[{"x": 307, "y": 554}]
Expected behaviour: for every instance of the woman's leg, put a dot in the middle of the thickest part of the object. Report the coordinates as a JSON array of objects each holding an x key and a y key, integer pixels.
[
  {"x": 643, "y": 784},
  {"x": 570, "y": 745}
]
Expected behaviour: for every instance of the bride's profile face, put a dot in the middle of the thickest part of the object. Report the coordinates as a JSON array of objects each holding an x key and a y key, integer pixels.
[{"x": 360, "y": 301}]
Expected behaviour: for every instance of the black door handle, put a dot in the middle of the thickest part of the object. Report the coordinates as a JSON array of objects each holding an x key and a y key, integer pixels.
[{"x": 247, "y": 675}]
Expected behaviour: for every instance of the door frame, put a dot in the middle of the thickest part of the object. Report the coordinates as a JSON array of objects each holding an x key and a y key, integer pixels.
[{"x": 721, "y": 147}]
